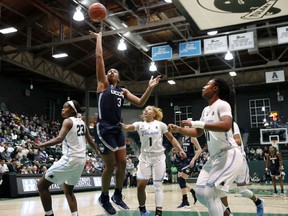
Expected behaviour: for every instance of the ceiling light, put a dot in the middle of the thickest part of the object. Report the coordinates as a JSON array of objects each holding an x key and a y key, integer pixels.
[
  {"x": 78, "y": 15},
  {"x": 168, "y": 1},
  {"x": 59, "y": 55},
  {"x": 8, "y": 30},
  {"x": 228, "y": 55},
  {"x": 212, "y": 32},
  {"x": 152, "y": 67},
  {"x": 171, "y": 82},
  {"x": 31, "y": 85},
  {"x": 122, "y": 46},
  {"x": 233, "y": 73}
]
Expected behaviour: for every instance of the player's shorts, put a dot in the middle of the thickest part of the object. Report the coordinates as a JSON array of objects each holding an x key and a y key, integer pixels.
[
  {"x": 66, "y": 170},
  {"x": 151, "y": 166},
  {"x": 275, "y": 172},
  {"x": 109, "y": 137},
  {"x": 221, "y": 170},
  {"x": 185, "y": 167},
  {"x": 243, "y": 177}
]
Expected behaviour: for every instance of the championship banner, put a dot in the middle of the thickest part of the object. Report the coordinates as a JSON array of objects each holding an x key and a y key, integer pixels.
[
  {"x": 241, "y": 41},
  {"x": 191, "y": 48},
  {"x": 215, "y": 45},
  {"x": 282, "y": 35}
]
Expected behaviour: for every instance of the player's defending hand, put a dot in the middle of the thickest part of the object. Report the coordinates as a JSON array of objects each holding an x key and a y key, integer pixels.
[
  {"x": 154, "y": 81},
  {"x": 173, "y": 128}
]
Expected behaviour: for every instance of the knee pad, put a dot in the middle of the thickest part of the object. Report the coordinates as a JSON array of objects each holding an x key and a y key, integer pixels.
[
  {"x": 245, "y": 192},
  {"x": 182, "y": 182}
]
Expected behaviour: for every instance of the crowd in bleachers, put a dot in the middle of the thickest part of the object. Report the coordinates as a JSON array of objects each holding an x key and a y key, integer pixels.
[
  {"x": 256, "y": 153},
  {"x": 20, "y": 157}
]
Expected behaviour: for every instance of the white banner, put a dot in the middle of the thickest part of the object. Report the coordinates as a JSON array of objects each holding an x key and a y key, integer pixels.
[
  {"x": 282, "y": 35},
  {"x": 275, "y": 76},
  {"x": 215, "y": 45},
  {"x": 241, "y": 41}
]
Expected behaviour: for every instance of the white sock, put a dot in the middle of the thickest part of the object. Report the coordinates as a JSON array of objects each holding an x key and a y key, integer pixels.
[
  {"x": 74, "y": 213},
  {"x": 49, "y": 212}
]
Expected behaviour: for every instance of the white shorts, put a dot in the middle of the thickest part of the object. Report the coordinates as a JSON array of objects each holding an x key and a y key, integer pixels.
[
  {"x": 150, "y": 166},
  {"x": 243, "y": 177},
  {"x": 221, "y": 170},
  {"x": 66, "y": 170}
]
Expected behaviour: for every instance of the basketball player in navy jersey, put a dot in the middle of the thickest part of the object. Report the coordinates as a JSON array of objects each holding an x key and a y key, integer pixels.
[
  {"x": 108, "y": 132},
  {"x": 274, "y": 164},
  {"x": 226, "y": 160},
  {"x": 73, "y": 134},
  {"x": 189, "y": 144}
]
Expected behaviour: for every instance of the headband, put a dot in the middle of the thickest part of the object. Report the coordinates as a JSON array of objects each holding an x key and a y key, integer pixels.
[{"x": 72, "y": 105}]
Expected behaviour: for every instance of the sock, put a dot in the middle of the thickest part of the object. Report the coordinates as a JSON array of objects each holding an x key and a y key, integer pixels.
[
  {"x": 228, "y": 209},
  {"x": 49, "y": 212},
  {"x": 282, "y": 190},
  {"x": 257, "y": 202},
  {"x": 118, "y": 191},
  {"x": 192, "y": 191},
  {"x": 74, "y": 213},
  {"x": 275, "y": 191},
  {"x": 184, "y": 197},
  {"x": 158, "y": 211},
  {"x": 142, "y": 208}
]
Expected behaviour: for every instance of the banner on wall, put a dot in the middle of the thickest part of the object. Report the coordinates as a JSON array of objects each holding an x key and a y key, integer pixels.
[
  {"x": 161, "y": 53},
  {"x": 275, "y": 76},
  {"x": 282, "y": 35},
  {"x": 191, "y": 48},
  {"x": 215, "y": 45},
  {"x": 241, "y": 41}
]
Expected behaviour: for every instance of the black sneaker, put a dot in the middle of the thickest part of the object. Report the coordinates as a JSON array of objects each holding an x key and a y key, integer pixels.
[
  {"x": 106, "y": 205},
  {"x": 194, "y": 195},
  {"x": 117, "y": 199},
  {"x": 184, "y": 204}
]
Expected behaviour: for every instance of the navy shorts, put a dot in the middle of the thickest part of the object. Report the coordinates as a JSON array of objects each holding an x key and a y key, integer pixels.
[
  {"x": 185, "y": 167},
  {"x": 109, "y": 137}
]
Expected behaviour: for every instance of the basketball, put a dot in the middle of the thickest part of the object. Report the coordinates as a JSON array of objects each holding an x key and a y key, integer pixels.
[{"x": 97, "y": 12}]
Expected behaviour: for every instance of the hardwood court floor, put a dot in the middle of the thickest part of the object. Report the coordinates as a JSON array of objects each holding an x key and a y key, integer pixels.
[{"x": 88, "y": 204}]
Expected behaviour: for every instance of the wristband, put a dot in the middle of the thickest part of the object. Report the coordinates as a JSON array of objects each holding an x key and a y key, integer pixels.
[
  {"x": 198, "y": 124},
  {"x": 266, "y": 168}
]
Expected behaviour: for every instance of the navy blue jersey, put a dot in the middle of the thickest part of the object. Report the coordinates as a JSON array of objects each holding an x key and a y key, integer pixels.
[
  {"x": 188, "y": 148},
  {"x": 110, "y": 103},
  {"x": 274, "y": 165}
]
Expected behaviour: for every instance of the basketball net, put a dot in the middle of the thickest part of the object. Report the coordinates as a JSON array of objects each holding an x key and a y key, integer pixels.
[{"x": 275, "y": 144}]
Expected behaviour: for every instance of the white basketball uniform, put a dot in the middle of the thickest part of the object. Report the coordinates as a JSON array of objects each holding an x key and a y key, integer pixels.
[
  {"x": 70, "y": 167},
  {"x": 243, "y": 177},
  {"x": 225, "y": 158},
  {"x": 152, "y": 157}
]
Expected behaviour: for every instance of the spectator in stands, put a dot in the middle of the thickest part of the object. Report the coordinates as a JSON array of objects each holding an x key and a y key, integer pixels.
[
  {"x": 252, "y": 154},
  {"x": 5, "y": 154},
  {"x": 12, "y": 166},
  {"x": 3, "y": 169},
  {"x": 174, "y": 173},
  {"x": 25, "y": 161},
  {"x": 129, "y": 171},
  {"x": 31, "y": 155},
  {"x": 259, "y": 153}
]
